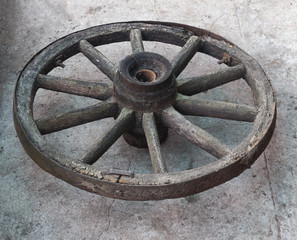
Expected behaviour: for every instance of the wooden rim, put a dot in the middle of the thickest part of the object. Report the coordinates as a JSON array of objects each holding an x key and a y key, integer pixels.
[{"x": 161, "y": 185}]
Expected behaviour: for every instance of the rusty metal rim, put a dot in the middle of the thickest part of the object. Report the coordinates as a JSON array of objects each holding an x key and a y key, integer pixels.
[{"x": 145, "y": 186}]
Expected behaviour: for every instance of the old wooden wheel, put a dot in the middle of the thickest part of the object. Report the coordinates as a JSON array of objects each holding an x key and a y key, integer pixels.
[{"x": 146, "y": 99}]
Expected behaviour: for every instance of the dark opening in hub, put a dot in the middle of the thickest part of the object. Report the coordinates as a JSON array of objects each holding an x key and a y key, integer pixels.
[{"x": 145, "y": 75}]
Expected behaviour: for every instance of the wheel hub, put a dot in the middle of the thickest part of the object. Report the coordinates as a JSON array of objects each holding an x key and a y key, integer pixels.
[{"x": 145, "y": 83}]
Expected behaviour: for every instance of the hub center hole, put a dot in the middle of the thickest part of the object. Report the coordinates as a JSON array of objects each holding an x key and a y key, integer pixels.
[{"x": 145, "y": 75}]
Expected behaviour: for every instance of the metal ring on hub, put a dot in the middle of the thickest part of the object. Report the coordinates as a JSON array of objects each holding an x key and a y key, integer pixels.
[
  {"x": 156, "y": 113},
  {"x": 145, "y": 75}
]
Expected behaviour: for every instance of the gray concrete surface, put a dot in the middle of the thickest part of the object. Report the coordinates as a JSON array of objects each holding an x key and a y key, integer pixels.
[{"x": 259, "y": 204}]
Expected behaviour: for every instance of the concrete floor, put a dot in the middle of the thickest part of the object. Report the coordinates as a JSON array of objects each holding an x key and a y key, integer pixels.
[{"x": 259, "y": 204}]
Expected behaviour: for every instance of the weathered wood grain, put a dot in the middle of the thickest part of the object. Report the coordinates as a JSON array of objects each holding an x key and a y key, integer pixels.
[
  {"x": 172, "y": 119},
  {"x": 77, "y": 117},
  {"x": 98, "y": 59},
  {"x": 99, "y": 91},
  {"x": 216, "y": 109},
  {"x": 181, "y": 60},
  {"x": 136, "y": 41},
  {"x": 153, "y": 142},
  {"x": 122, "y": 124},
  {"x": 191, "y": 86}
]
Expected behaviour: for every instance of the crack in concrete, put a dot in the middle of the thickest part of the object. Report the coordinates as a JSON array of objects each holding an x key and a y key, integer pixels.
[
  {"x": 279, "y": 237},
  {"x": 237, "y": 17},
  {"x": 216, "y": 20},
  {"x": 109, "y": 220},
  {"x": 156, "y": 10},
  {"x": 129, "y": 164}
]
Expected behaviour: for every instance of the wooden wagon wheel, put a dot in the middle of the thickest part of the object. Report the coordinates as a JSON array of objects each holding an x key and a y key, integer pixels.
[{"x": 146, "y": 99}]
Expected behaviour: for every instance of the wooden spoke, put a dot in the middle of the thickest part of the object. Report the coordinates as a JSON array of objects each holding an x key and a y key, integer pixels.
[
  {"x": 122, "y": 124},
  {"x": 99, "y": 91},
  {"x": 153, "y": 142},
  {"x": 136, "y": 41},
  {"x": 181, "y": 60},
  {"x": 98, "y": 59},
  {"x": 172, "y": 119},
  {"x": 77, "y": 117},
  {"x": 216, "y": 109},
  {"x": 191, "y": 86}
]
